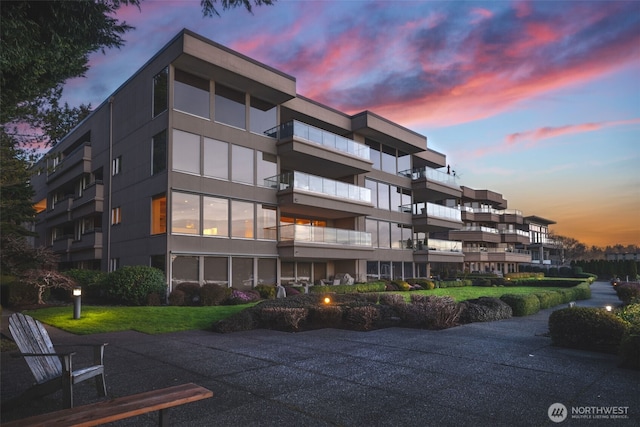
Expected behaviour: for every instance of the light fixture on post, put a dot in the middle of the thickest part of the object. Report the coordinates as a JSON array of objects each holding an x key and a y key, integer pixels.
[
  {"x": 608, "y": 307},
  {"x": 77, "y": 302}
]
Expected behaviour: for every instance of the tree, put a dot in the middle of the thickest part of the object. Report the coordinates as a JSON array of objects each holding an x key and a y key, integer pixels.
[{"x": 572, "y": 248}]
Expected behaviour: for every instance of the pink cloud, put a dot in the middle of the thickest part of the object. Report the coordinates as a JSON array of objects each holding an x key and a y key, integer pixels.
[{"x": 552, "y": 132}]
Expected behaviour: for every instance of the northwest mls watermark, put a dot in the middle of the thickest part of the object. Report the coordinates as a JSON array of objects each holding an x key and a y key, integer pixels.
[{"x": 558, "y": 413}]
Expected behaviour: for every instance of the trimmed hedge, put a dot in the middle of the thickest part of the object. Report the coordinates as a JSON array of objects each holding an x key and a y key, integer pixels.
[
  {"x": 522, "y": 305},
  {"x": 628, "y": 293},
  {"x": 587, "y": 328},
  {"x": 348, "y": 289},
  {"x": 484, "y": 309},
  {"x": 132, "y": 284},
  {"x": 630, "y": 348}
]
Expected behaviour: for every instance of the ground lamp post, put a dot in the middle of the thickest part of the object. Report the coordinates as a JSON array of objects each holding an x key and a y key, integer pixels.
[{"x": 77, "y": 302}]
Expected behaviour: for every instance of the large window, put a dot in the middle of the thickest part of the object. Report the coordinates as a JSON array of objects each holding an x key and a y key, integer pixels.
[
  {"x": 267, "y": 271},
  {"x": 396, "y": 236},
  {"x": 267, "y": 167},
  {"x": 388, "y": 159},
  {"x": 116, "y": 216},
  {"x": 384, "y": 239},
  {"x": 185, "y": 213},
  {"x": 191, "y": 94},
  {"x": 185, "y": 270},
  {"x": 241, "y": 164},
  {"x": 266, "y": 222},
  {"x": 230, "y": 107},
  {"x": 374, "y": 150},
  {"x": 242, "y": 219},
  {"x": 404, "y": 161},
  {"x": 160, "y": 93},
  {"x": 159, "y": 214},
  {"x": 216, "y": 159},
  {"x": 372, "y": 228},
  {"x": 383, "y": 196},
  {"x": 215, "y": 216},
  {"x": 159, "y": 153},
  {"x": 186, "y": 152},
  {"x": 396, "y": 199},
  {"x": 262, "y": 116},
  {"x": 242, "y": 273},
  {"x": 216, "y": 270}
]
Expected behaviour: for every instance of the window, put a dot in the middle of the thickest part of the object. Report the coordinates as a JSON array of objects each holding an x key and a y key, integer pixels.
[
  {"x": 384, "y": 239},
  {"x": 114, "y": 264},
  {"x": 185, "y": 270},
  {"x": 262, "y": 116},
  {"x": 396, "y": 236},
  {"x": 116, "y": 216},
  {"x": 241, "y": 219},
  {"x": 388, "y": 159},
  {"x": 216, "y": 270},
  {"x": 191, "y": 94},
  {"x": 40, "y": 206},
  {"x": 159, "y": 153},
  {"x": 373, "y": 187},
  {"x": 216, "y": 159},
  {"x": 267, "y": 167},
  {"x": 215, "y": 216},
  {"x": 160, "y": 93},
  {"x": 396, "y": 199},
  {"x": 159, "y": 214},
  {"x": 404, "y": 161},
  {"x": 230, "y": 107},
  {"x": 242, "y": 273},
  {"x": 266, "y": 222},
  {"x": 374, "y": 150},
  {"x": 383, "y": 196},
  {"x": 186, "y": 152},
  {"x": 185, "y": 213},
  {"x": 116, "y": 165},
  {"x": 242, "y": 164},
  {"x": 267, "y": 271},
  {"x": 372, "y": 228}
]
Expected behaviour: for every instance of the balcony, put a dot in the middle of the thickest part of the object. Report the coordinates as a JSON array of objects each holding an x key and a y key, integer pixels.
[
  {"x": 436, "y": 250},
  {"x": 514, "y": 236},
  {"x": 481, "y": 254},
  {"x": 72, "y": 165},
  {"x": 318, "y": 151},
  {"x": 429, "y": 217},
  {"x": 308, "y": 242},
  {"x": 62, "y": 244},
  {"x": 88, "y": 247},
  {"x": 301, "y": 193},
  {"x": 512, "y": 216},
  {"x": 476, "y": 234},
  {"x": 431, "y": 184},
  {"x": 91, "y": 201}
]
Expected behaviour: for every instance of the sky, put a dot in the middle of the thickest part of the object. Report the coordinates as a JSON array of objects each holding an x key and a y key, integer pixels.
[{"x": 536, "y": 100}]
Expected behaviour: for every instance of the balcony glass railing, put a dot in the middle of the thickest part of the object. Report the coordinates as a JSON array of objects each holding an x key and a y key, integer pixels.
[
  {"x": 431, "y": 174},
  {"x": 319, "y": 185},
  {"x": 437, "y": 245},
  {"x": 481, "y": 228},
  {"x": 324, "y": 235},
  {"x": 496, "y": 250},
  {"x": 321, "y": 137},
  {"x": 517, "y": 232},
  {"x": 433, "y": 210},
  {"x": 491, "y": 210}
]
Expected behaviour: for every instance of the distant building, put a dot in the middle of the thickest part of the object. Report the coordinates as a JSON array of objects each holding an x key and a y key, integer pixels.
[
  {"x": 209, "y": 166},
  {"x": 627, "y": 256}
]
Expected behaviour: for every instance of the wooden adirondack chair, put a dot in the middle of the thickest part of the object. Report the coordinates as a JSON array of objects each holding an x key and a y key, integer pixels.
[{"x": 52, "y": 371}]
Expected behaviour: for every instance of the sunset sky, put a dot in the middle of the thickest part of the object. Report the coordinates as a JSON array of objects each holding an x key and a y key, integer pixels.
[{"x": 539, "y": 101}]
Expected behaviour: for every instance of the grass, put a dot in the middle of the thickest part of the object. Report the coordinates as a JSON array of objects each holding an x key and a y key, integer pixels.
[
  {"x": 150, "y": 320},
  {"x": 471, "y": 292},
  {"x": 159, "y": 320}
]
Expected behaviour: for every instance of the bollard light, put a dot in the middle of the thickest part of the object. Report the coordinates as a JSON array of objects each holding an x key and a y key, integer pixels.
[
  {"x": 327, "y": 300},
  {"x": 608, "y": 307},
  {"x": 77, "y": 302}
]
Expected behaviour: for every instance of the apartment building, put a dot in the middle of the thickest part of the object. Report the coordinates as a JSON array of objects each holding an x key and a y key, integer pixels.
[{"x": 208, "y": 165}]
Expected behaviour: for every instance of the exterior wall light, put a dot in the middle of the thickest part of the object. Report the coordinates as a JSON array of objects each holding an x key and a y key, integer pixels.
[{"x": 77, "y": 302}]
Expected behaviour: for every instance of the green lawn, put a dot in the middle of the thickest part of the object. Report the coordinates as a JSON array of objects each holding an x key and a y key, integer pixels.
[
  {"x": 158, "y": 320},
  {"x": 471, "y": 292},
  {"x": 150, "y": 320}
]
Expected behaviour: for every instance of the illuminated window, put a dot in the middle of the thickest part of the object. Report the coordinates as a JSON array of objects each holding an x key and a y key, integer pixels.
[
  {"x": 117, "y": 165},
  {"x": 215, "y": 216},
  {"x": 159, "y": 214},
  {"x": 185, "y": 213},
  {"x": 40, "y": 206},
  {"x": 116, "y": 216},
  {"x": 242, "y": 219}
]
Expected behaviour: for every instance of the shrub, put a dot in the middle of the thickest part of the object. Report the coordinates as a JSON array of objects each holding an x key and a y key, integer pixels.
[
  {"x": 92, "y": 281},
  {"x": 283, "y": 318},
  {"x": 214, "y": 294},
  {"x": 587, "y": 328},
  {"x": 241, "y": 321},
  {"x": 325, "y": 316},
  {"x": 22, "y": 293},
  {"x": 433, "y": 313},
  {"x": 266, "y": 291},
  {"x": 630, "y": 348},
  {"x": 361, "y": 318},
  {"x": 402, "y": 285},
  {"x": 153, "y": 300},
  {"x": 177, "y": 298},
  {"x": 393, "y": 287},
  {"x": 630, "y": 313},
  {"x": 291, "y": 291},
  {"x": 191, "y": 293},
  {"x": 582, "y": 291},
  {"x": 130, "y": 285},
  {"x": 242, "y": 297},
  {"x": 548, "y": 299},
  {"x": 628, "y": 293},
  {"x": 484, "y": 309},
  {"x": 391, "y": 299},
  {"x": 522, "y": 305}
]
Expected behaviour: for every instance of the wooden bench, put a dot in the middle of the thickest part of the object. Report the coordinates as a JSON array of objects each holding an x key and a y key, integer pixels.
[{"x": 119, "y": 408}]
